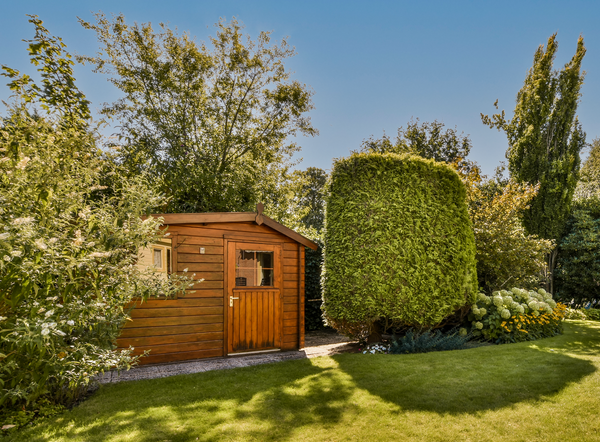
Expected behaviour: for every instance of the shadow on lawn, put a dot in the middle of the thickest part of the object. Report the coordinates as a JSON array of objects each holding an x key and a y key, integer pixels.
[
  {"x": 471, "y": 381},
  {"x": 277, "y": 401},
  {"x": 263, "y": 402}
]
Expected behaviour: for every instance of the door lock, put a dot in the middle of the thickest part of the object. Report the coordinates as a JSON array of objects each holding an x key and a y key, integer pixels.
[{"x": 231, "y": 298}]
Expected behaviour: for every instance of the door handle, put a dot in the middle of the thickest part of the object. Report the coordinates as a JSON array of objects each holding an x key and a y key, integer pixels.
[{"x": 231, "y": 298}]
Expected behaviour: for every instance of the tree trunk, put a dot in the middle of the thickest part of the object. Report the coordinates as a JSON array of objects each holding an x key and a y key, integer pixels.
[
  {"x": 551, "y": 264},
  {"x": 375, "y": 335}
]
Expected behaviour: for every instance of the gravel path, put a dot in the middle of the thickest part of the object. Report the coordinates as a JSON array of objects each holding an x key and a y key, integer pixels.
[{"x": 318, "y": 344}]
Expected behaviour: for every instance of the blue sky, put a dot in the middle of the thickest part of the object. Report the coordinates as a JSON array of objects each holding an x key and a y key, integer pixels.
[{"x": 372, "y": 65}]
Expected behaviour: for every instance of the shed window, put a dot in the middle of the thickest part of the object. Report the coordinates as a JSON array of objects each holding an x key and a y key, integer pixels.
[{"x": 254, "y": 268}]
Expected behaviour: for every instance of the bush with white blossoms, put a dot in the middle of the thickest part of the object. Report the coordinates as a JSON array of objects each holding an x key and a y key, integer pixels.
[
  {"x": 70, "y": 230},
  {"x": 516, "y": 315}
]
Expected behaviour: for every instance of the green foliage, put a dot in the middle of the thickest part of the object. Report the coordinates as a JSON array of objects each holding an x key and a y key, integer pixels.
[
  {"x": 313, "y": 319},
  {"x": 573, "y": 313},
  {"x": 516, "y": 315},
  {"x": 428, "y": 140},
  {"x": 212, "y": 125},
  {"x": 505, "y": 252},
  {"x": 592, "y": 314},
  {"x": 589, "y": 181},
  {"x": 428, "y": 340},
  {"x": 545, "y": 138},
  {"x": 577, "y": 274},
  {"x": 398, "y": 243},
  {"x": 68, "y": 244},
  {"x": 313, "y": 195}
]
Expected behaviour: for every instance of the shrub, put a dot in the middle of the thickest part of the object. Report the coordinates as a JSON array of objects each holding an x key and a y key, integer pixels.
[
  {"x": 592, "y": 314},
  {"x": 426, "y": 341},
  {"x": 577, "y": 274},
  {"x": 398, "y": 243},
  {"x": 516, "y": 315},
  {"x": 572, "y": 313},
  {"x": 506, "y": 254},
  {"x": 70, "y": 230}
]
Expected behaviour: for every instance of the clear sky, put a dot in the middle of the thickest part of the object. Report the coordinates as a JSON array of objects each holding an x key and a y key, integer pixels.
[{"x": 372, "y": 65}]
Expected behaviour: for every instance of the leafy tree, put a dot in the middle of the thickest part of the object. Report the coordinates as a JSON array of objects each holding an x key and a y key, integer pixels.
[
  {"x": 545, "y": 138},
  {"x": 589, "y": 182},
  {"x": 506, "y": 255},
  {"x": 313, "y": 197},
  {"x": 578, "y": 267},
  {"x": 212, "y": 125},
  {"x": 428, "y": 140},
  {"x": 68, "y": 244}
]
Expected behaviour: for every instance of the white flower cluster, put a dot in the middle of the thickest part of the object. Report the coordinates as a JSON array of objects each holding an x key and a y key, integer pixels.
[
  {"x": 512, "y": 302},
  {"x": 377, "y": 349}
]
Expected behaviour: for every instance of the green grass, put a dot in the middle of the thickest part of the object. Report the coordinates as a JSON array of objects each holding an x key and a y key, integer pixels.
[{"x": 541, "y": 391}]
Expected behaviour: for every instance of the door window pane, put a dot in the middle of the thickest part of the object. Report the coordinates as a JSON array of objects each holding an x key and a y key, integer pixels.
[{"x": 254, "y": 268}]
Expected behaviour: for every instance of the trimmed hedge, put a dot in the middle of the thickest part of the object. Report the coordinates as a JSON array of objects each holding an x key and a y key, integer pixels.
[{"x": 398, "y": 243}]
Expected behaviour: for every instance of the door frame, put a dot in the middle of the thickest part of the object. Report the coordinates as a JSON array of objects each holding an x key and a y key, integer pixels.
[{"x": 228, "y": 286}]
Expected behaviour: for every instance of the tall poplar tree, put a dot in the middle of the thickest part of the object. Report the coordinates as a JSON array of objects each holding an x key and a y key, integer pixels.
[{"x": 545, "y": 138}]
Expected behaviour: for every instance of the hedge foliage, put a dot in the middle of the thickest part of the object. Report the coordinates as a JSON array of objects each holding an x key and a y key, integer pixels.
[
  {"x": 577, "y": 274},
  {"x": 398, "y": 243}
]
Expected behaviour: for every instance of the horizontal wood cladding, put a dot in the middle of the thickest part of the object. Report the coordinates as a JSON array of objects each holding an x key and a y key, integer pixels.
[
  {"x": 205, "y": 284},
  {"x": 171, "y": 330},
  {"x": 203, "y": 267},
  {"x": 207, "y": 276},
  {"x": 145, "y": 341},
  {"x": 202, "y": 293},
  {"x": 174, "y": 320},
  {"x": 181, "y": 356},
  {"x": 209, "y": 231},
  {"x": 185, "y": 240},
  {"x": 290, "y": 254},
  {"x": 175, "y": 311},
  {"x": 208, "y": 250},
  {"x": 175, "y": 348},
  {"x": 197, "y": 257},
  {"x": 180, "y": 302}
]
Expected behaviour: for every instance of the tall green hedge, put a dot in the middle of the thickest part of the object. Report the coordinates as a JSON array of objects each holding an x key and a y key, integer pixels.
[{"x": 398, "y": 243}]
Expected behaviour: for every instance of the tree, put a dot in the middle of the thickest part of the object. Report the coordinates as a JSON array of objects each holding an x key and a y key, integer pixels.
[
  {"x": 506, "y": 255},
  {"x": 313, "y": 197},
  {"x": 428, "y": 140},
  {"x": 589, "y": 182},
  {"x": 68, "y": 244},
  {"x": 578, "y": 267},
  {"x": 212, "y": 126},
  {"x": 545, "y": 138}
]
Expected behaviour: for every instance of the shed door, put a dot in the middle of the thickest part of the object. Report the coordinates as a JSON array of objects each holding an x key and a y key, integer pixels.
[{"x": 254, "y": 300}]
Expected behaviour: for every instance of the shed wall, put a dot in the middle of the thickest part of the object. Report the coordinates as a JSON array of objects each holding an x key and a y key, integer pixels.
[{"x": 192, "y": 326}]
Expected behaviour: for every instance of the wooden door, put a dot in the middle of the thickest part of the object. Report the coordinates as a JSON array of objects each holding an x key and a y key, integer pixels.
[{"x": 254, "y": 298}]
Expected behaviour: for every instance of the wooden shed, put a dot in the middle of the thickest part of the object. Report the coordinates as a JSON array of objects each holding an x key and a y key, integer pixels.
[{"x": 251, "y": 299}]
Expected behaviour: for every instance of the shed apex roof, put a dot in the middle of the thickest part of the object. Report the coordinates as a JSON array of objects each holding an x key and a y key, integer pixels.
[{"x": 234, "y": 217}]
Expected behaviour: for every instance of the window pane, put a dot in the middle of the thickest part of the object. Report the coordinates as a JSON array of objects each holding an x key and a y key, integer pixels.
[
  {"x": 158, "y": 258},
  {"x": 266, "y": 277},
  {"x": 254, "y": 268}
]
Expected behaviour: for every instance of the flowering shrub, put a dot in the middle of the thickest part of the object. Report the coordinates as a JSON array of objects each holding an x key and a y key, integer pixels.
[
  {"x": 70, "y": 231},
  {"x": 516, "y": 315},
  {"x": 378, "y": 348},
  {"x": 573, "y": 313}
]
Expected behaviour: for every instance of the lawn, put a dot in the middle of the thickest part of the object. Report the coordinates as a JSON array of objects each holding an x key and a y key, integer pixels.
[{"x": 546, "y": 390}]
